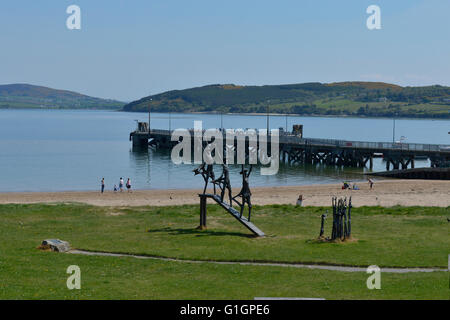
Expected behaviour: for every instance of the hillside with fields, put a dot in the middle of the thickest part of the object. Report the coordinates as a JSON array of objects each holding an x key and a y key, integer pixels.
[
  {"x": 26, "y": 96},
  {"x": 365, "y": 99}
]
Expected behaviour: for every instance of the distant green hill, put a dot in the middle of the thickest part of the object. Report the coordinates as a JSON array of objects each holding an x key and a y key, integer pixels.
[
  {"x": 17, "y": 96},
  {"x": 374, "y": 99}
]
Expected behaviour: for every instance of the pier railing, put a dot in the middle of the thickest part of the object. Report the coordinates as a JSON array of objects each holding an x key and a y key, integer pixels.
[
  {"x": 289, "y": 138},
  {"x": 366, "y": 145}
]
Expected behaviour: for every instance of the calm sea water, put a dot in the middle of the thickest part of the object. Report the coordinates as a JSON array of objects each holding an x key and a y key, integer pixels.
[{"x": 55, "y": 150}]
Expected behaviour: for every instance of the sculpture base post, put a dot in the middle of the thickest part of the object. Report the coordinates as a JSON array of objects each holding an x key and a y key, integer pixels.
[{"x": 202, "y": 225}]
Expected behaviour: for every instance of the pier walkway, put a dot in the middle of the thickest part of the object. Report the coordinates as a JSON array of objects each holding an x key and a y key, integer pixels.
[{"x": 294, "y": 149}]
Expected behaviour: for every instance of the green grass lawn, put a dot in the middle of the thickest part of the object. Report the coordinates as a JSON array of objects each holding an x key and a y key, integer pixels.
[{"x": 399, "y": 236}]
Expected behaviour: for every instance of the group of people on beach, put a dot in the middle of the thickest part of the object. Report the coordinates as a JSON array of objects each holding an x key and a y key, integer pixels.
[
  {"x": 346, "y": 185},
  {"x": 121, "y": 184}
]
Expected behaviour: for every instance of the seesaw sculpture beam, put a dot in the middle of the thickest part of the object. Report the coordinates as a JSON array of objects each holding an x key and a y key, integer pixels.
[{"x": 224, "y": 184}]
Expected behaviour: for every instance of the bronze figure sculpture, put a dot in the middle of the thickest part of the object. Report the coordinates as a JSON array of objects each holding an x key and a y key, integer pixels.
[
  {"x": 207, "y": 174},
  {"x": 224, "y": 183},
  {"x": 245, "y": 192}
]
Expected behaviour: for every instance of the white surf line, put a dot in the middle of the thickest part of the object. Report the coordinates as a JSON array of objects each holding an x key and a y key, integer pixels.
[{"x": 264, "y": 264}]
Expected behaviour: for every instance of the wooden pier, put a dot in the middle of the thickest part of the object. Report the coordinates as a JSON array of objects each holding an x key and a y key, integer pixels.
[{"x": 294, "y": 149}]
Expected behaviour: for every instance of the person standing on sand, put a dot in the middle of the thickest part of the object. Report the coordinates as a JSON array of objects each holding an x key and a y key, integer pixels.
[
  {"x": 300, "y": 200},
  {"x": 129, "y": 185},
  {"x": 121, "y": 184},
  {"x": 370, "y": 183},
  {"x": 103, "y": 184}
]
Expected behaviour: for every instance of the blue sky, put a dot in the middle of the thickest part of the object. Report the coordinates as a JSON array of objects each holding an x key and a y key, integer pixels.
[{"x": 130, "y": 49}]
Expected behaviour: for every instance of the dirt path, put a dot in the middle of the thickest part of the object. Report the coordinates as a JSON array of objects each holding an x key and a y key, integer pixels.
[{"x": 264, "y": 264}]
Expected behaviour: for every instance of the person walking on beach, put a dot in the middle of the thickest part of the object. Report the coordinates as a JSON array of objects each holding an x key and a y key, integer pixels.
[
  {"x": 121, "y": 184},
  {"x": 129, "y": 185},
  {"x": 300, "y": 200},
  {"x": 370, "y": 183},
  {"x": 103, "y": 184}
]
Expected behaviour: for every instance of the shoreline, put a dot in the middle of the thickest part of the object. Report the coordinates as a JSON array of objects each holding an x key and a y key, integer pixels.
[
  {"x": 385, "y": 193},
  {"x": 248, "y": 114},
  {"x": 294, "y": 115}
]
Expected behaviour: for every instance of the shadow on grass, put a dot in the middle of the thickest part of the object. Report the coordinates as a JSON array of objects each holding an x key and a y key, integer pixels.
[{"x": 200, "y": 233}]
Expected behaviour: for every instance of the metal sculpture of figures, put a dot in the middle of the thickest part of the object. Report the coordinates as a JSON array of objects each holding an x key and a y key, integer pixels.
[
  {"x": 207, "y": 174},
  {"x": 224, "y": 183},
  {"x": 210, "y": 174},
  {"x": 245, "y": 192}
]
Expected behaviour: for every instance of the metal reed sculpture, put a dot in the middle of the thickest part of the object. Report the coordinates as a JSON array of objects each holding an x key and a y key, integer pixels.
[{"x": 342, "y": 220}]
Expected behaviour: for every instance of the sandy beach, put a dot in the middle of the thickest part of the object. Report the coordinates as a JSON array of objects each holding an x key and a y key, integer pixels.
[{"x": 385, "y": 193}]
